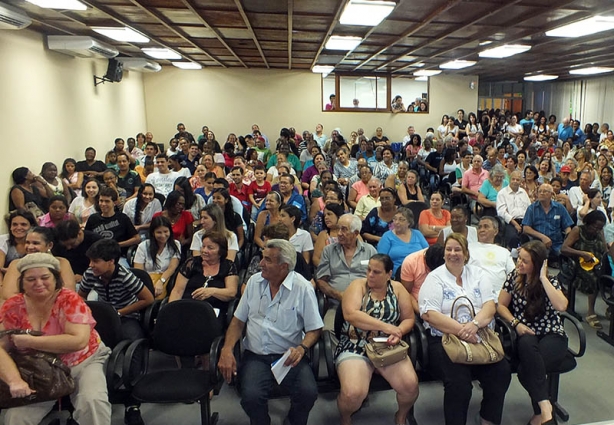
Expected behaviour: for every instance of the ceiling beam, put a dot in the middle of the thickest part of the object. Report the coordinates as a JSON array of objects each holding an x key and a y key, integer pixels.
[
  {"x": 122, "y": 21},
  {"x": 331, "y": 27},
  {"x": 412, "y": 30},
  {"x": 455, "y": 29},
  {"x": 190, "y": 5},
  {"x": 290, "y": 17},
  {"x": 251, "y": 31}
]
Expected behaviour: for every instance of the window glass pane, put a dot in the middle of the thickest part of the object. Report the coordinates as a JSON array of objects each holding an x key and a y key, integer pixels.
[
  {"x": 410, "y": 90},
  {"x": 328, "y": 88},
  {"x": 382, "y": 92},
  {"x": 357, "y": 91}
]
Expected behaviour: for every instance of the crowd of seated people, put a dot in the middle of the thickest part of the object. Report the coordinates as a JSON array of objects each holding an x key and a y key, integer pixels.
[{"x": 356, "y": 213}]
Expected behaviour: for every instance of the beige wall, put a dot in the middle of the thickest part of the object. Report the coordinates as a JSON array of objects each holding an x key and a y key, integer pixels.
[
  {"x": 230, "y": 100},
  {"x": 50, "y": 110}
]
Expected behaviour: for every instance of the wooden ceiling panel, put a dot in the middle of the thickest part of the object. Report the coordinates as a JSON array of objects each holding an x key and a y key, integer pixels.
[
  {"x": 198, "y": 31},
  {"x": 271, "y": 35},
  {"x": 304, "y": 47},
  {"x": 306, "y": 36},
  {"x": 180, "y": 16},
  {"x": 190, "y": 50},
  {"x": 273, "y": 45},
  {"x": 158, "y": 31},
  {"x": 465, "y": 11},
  {"x": 310, "y": 23},
  {"x": 221, "y": 18},
  {"x": 134, "y": 14},
  {"x": 415, "y": 10},
  {"x": 170, "y": 4},
  {"x": 236, "y": 33},
  {"x": 322, "y": 7},
  {"x": 276, "y": 54},
  {"x": 215, "y": 4},
  {"x": 268, "y": 20}
]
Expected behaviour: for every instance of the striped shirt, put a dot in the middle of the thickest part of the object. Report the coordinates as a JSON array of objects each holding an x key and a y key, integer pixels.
[{"x": 120, "y": 292}]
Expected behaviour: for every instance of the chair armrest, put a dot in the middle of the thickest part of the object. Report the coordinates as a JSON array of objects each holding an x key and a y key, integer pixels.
[
  {"x": 605, "y": 282},
  {"x": 329, "y": 355},
  {"x": 581, "y": 334},
  {"x": 508, "y": 337},
  {"x": 115, "y": 380},
  {"x": 149, "y": 316},
  {"x": 413, "y": 342},
  {"x": 130, "y": 376},
  {"x": 230, "y": 312},
  {"x": 423, "y": 352},
  {"x": 214, "y": 356},
  {"x": 314, "y": 357},
  {"x": 322, "y": 302}
]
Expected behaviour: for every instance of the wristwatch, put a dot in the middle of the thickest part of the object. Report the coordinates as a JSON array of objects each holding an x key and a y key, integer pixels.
[
  {"x": 476, "y": 323},
  {"x": 304, "y": 347}
]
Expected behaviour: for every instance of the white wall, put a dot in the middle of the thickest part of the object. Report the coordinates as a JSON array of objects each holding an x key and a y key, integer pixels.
[
  {"x": 50, "y": 110},
  {"x": 588, "y": 100},
  {"x": 231, "y": 100}
]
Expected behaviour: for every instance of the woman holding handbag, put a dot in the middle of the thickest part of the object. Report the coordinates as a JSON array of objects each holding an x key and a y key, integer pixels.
[
  {"x": 437, "y": 296},
  {"x": 530, "y": 302},
  {"x": 374, "y": 307},
  {"x": 68, "y": 331}
]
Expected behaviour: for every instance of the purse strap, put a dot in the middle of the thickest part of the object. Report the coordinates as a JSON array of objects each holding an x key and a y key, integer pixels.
[
  {"x": 20, "y": 332},
  {"x": 453, "y": 312}
]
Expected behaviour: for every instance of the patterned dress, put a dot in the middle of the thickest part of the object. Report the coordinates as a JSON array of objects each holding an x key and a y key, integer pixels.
[
  {"x": 586, "y": 281},
  {"x": 387, "y": 310}
]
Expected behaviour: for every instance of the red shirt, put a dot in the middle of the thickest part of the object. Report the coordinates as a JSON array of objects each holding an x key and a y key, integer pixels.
[
  {"x": 259, "y": 192},
  {"x": 242, "y": 195},
  {"x": 181, "y": 226}
]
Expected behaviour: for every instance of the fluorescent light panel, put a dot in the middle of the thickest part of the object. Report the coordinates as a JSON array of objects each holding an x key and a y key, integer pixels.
[
  {"x": 504, "y": 51},
  {"x": 457, "y": 64},
  {"x": 540, "y": 77},
  {"x": 584, "y": 27},
  {"x": 338, "y": 42},
  {"x": 366, "y": 12},
  {"x": 157, "y": 53},
  {"x": 422, "y": 78},
  {"x": 59, "y": 4},
  {"x": 427, "y": 72},
  {"x": 187, "y": 65},
  {"x": 322, "y": 69},
  {"x": 124, "y": 34},
  {"x": 591, "y": 71}
]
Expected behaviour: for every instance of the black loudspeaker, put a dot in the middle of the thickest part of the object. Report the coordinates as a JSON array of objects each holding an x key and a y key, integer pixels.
[{"x": 115, "y": 71}]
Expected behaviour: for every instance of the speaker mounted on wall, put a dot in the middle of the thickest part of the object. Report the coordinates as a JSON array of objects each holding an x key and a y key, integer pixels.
[{"x": 114, "y": 74}]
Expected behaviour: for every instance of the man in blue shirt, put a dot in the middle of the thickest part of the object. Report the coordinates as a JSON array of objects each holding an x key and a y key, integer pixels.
[
  {"x": 547, "y": 220},
  {"x": 527, "y": 122},
  {"x": 565, "y": 131},
  {"x": 280, "y": 310}
]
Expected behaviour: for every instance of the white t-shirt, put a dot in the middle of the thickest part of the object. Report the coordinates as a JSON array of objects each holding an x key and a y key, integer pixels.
[
  {"x": 4, "y": 244},
  {"x": 163, "y": 259},
  {"x": 164, "y": 183},
  {"x": 147, "y": 214},
  {"x": 302, "y": 241},
  {"x": 495, "y": 260},
  {"x": 185, "y": 172},
  {"x": 472, "y": 233},
  {"x": 197, "y": 241}
]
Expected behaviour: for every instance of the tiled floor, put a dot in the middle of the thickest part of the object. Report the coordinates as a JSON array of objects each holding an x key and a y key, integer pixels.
[{"x": 587, "y": 393}]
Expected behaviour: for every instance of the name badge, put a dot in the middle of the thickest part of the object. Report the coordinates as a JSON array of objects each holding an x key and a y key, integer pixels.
[{"x": 557, "y": 217}]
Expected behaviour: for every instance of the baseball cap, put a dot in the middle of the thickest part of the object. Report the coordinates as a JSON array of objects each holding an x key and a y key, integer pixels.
[{"x": 565, "y": 169}]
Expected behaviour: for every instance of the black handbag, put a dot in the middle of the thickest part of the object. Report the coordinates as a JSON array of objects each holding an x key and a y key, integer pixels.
[{"x": 45, "y": 373}]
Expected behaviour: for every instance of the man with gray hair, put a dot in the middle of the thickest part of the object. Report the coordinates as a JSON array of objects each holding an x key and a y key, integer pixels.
[
  {"x": 280, "y": 310},
  {"x": 496, "y": 261},
  {"x": 512, "y": 202}
]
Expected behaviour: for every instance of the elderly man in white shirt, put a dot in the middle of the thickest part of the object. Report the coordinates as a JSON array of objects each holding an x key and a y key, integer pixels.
[
  {"x": 576, "y": 193},
  {"x": 495, "y": 260},
  {"x": 512, "y": 202}
]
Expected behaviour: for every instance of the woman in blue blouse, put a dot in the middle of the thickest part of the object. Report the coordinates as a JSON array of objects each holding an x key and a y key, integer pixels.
[{"x": 402, "y": 240}]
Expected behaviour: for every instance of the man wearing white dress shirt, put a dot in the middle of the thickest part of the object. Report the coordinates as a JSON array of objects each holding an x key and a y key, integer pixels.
[
  {"x": 576, "y": 193},
  {"x": 512, "y": 202}
]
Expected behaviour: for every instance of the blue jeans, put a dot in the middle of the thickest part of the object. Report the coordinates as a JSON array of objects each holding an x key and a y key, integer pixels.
[{"x": 257, "y": 380}]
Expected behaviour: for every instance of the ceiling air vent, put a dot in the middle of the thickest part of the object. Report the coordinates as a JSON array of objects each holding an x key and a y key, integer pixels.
[
  {"x": 140, "y": 64},
  {"x": 81, "y": 46},
  {"x": 12, "y": 19}
]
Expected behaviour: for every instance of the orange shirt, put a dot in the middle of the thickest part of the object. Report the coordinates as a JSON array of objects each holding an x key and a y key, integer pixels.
[{"x": 427, "y": 217}]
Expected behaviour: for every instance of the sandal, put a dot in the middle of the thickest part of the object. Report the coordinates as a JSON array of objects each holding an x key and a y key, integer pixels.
[{"x": 593, "y": 322}]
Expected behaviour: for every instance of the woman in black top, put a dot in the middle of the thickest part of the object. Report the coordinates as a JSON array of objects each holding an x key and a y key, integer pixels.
[
  {"x": 233, "y": 220},
  {"x": 29, "y": 192},
  {"x": 212, "y": 277},
  {"x": 530, "y": 300}
]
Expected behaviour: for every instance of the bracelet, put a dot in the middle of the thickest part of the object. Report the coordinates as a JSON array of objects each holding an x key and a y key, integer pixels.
[{"x": 515, "y": 322}]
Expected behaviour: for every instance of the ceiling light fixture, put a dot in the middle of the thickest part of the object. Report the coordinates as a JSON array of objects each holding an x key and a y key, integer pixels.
[
  {"x": 338, "y": 42},
  {"x": 591, "y": 70},
  {"x": 422, "y": 78},
  {"x": 323, "y": 69},
  {"x": 485, "y": 43},
  {"x": 427, "y": 73},
  {"x": 504, "y": 51},
  {"x": 59, "y": 4},
  {"x": 187, "y": 65},
  {"x": 158, "y": 53},
  {"x": 584, "y": 27},
  {"x": 457, "y": 64},
  {"x": 540, "y": 77},
  {"x": 418, "y": 65},
  {"x": 366, "y": 12},
  {"x": 127, "y": 35}
]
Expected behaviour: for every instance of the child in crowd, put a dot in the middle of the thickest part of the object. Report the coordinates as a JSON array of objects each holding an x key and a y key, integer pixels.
[{"x": 258, "y": 190}]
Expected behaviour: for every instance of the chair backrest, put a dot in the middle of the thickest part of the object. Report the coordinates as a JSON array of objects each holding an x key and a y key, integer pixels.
[
  {"x": 606, "y": 267},
  {"x": 145, "y": 278},
  {"x": 108, "y": 324},
  {"x": 339, "y": 319},
  {"x": 417, "y": 208},
  {"x": 186, "y": 328}
]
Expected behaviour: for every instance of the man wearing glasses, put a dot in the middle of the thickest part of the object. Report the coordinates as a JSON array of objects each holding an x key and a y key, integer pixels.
[{"x": 280, "y": 310}]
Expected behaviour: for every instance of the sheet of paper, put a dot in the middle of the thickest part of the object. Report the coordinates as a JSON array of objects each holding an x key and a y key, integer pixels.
[
  {"x": 279, "y": 370},
  {"x": 217, "y": 312}
]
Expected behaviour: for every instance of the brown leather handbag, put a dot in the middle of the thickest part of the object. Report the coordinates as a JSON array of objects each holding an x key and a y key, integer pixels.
[
  {"x": 489, "y": 350},
  {"x": 44, "y": 372},
  {"x": 381, "y": 354}
]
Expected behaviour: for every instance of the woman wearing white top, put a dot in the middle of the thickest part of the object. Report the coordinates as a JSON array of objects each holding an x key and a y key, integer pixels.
[
  {"x": 437, "y": 294},
  {"x": 140, "y": 210},
  {"x": 441, "y": 130},
  {"x": 83, "y": 206},
  {"x": 212, "y": 220},
  {"x": 451, "y": 128},
  {"x": 159, "y": 255},
  {"x": 301, "y": 239},
  {"x": 592, "y": 201}
]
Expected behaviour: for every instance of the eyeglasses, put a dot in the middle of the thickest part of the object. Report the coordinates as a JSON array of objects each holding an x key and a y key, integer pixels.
[{"x": 262, "y": 307}]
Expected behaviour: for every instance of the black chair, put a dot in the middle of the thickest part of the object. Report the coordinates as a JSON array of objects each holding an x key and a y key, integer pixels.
[
  {"x": 508, "y": 337},
  {"x": 184, "y": 328},
  {"x": 416, "y": 208},
  {"x": 606, "y": 288},
  {"x": 567, "y": 266},
  {"x": 148, "y": 315}
]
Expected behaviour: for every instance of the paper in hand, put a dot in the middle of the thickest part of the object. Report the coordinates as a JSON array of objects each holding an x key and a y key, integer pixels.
[{"x": 279, "y": 369}]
